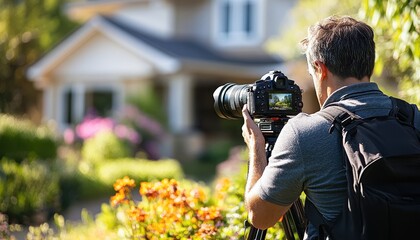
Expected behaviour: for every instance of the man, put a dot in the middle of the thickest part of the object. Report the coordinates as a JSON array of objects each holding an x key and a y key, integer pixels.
[{"x": 340, "y": 53}]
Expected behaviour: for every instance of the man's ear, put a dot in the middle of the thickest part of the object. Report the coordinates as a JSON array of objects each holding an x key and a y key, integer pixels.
[{"x": 320, "y": 69}]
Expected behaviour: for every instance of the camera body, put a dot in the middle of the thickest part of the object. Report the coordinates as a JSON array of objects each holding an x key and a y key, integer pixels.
[
  {"x": 270, "y": 101},
  {"x": 274, "y": 96}
]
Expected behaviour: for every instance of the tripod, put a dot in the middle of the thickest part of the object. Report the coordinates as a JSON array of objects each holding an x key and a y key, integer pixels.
[{"x": 293, "y": 219}]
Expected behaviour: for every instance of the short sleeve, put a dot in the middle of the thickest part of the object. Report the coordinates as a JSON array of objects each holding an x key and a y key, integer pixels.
[{"x": 282, "y": 179}]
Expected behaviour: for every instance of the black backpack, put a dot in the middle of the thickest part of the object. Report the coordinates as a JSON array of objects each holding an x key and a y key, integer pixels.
[{"x": 383, "y": 174}]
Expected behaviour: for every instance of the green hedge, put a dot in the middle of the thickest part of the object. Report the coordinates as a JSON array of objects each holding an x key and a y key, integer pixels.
[
  {"x": 29, "y": 191},
  {"x": 139, "y": 170},
  {"x": 98, "y": 182},
  {"x": 20, "y": 139},
  {"x": 104, "y": 146}
]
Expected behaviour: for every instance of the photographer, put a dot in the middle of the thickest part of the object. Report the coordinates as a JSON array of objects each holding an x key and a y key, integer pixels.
[{"x": 340, "y": 53}]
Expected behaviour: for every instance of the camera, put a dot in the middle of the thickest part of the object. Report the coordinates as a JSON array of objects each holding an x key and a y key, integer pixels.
[{"x": 270, "y": 101}]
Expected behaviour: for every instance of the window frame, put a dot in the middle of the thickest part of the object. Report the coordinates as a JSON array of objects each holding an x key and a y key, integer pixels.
[{"x": 233, "y": 26}]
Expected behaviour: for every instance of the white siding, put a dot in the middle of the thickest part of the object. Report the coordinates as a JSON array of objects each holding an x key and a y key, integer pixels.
[{"x": 102, "y": 57}]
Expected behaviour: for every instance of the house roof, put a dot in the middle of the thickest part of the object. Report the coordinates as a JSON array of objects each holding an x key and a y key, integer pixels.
[
  {"x": 188, "y": 48},
  {"x": 166, "y": 54}
]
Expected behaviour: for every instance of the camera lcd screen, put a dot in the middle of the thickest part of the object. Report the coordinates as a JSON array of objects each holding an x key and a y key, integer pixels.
[{"x": 279, "y": 101}]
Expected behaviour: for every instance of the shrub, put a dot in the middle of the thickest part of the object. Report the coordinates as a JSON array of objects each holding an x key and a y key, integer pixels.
[
  {"x": 103, "y": 146},
  {"x": 151, "y": 131},
  {"x": 82, "y": 186},
  {"x": 4, "y": 227},
  {"x": 97, "y": 182},
  {"x": 139, "y": 170},
  {"x": 141, "y": 131},
  {"x": 28, "y": 190},
  {"x": 217, "y": 151},
  {"x": 168, "y": 210},
  {"x": 229, "y": 196},
  {"x": 20, "y": 139}
]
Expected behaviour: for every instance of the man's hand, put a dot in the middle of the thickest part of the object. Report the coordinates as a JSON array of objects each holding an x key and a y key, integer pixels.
[{"x": 252, "y": 135}]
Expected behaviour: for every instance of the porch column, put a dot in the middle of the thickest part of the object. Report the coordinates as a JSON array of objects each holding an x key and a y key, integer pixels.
[
  {"x": 48, "y": 103},
  {"x": 180, "y": 103},
  {"x": 78, "y": 102}
]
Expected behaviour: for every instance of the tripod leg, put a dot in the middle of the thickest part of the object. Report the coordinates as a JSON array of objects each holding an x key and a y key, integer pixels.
[
  {"x": 254, "y": 233},
  {"x": 298, "y": 214},
  {"x": 287, "y": 226}
]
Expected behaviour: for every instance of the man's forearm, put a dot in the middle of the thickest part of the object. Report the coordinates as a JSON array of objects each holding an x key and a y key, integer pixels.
[{"x": 257, "y": 164}]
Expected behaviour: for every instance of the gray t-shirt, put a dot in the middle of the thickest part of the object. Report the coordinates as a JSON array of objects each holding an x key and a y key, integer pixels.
[{"x": 307, "y": 158}]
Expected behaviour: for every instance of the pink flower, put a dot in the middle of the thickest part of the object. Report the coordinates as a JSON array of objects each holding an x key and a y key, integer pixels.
[
  {"x": 91, "y": 126},
  {"x": 125, "y": 132},
  {"x": 69, "y": 136}
]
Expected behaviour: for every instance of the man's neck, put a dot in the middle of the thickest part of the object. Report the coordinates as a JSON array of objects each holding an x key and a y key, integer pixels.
[{"x": 338, "y": 83}]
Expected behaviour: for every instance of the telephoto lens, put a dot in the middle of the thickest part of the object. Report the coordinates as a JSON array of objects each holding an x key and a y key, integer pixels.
[{"x": 229, "y": 100}]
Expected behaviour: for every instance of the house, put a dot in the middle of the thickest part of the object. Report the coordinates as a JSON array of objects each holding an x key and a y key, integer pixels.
[{"x": 184, "y": 49}]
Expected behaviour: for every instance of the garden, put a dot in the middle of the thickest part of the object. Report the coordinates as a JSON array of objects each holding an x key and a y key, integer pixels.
[{"x": 43, "y": 174}]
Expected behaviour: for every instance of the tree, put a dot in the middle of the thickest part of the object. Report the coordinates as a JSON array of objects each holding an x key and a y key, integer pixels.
[
  {"x": 397, "y": 27},
  {"x": 305, "y": 14},
  {"x": 396, "y": 24},
  {"x": 27, "y": 29}
]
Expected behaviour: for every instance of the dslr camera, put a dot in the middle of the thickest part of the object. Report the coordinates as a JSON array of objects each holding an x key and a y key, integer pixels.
[{"x": 270, "y": 101}]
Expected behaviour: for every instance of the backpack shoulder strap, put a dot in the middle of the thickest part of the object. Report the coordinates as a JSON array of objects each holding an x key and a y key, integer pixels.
[
  {"x": 338, "y": 116},
  {"x": 402, "y": 110}
]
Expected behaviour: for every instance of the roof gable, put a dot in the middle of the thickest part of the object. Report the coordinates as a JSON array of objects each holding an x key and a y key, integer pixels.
[
  {"x": 166, "y": 55},
  {"x": 69, "y": 46}
]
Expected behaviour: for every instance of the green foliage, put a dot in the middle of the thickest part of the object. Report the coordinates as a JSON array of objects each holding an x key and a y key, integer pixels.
[
  {"x": 27, "y": 29},
  {"x": 78, "y": 186},
  {"x": 217, "y": 152},
  {"x": 149, "y": 103},
  {"x": 168, "y": 209},
  {"x": 397, "y": 27},
  {"x": 88, "y": 183},
  {"x": 104, "y": 146},
  {"x": 27, "y": 189},
  {"x": 63, "y": 230},
  {"x": 21, "y": 139},
  {"x": 230, "y": 196},
  {"x": 139, "y": 169},
  {"x": 304, "y": 14}
]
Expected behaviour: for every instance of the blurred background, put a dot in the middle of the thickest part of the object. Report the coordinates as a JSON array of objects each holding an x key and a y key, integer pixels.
[{"x": 94, "y": 90}]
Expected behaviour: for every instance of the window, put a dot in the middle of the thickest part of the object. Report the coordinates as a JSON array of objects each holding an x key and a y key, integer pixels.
[
  {"x": 238, "y": 20},
  {"x": 99, "y": 103},
  {"x": 78, "y": 101}
]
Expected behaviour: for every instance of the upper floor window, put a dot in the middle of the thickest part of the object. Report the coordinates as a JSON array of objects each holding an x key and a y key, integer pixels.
[{"x": 237, "y": 20}]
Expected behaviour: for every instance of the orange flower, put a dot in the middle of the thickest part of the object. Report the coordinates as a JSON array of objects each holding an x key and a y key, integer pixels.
[
  {"x": 147, "y": 190},
  {"x": 206, "y": 231},
  {"x": 125, "y": 184},
  {"x": 118, "y": 198},
  {"x": 198, "y": 194},
  {"x": 137, "y": 214},
  {"x": 209, "y": 213}
]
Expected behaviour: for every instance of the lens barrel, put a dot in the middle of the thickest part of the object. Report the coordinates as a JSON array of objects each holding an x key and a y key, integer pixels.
[{"x": 229, "y": 100}]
